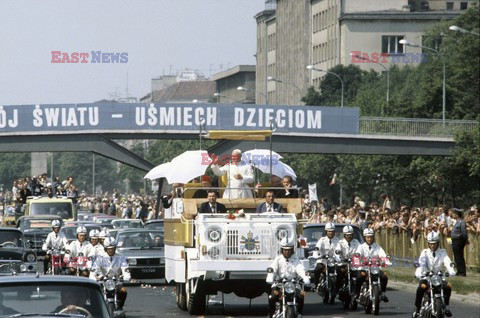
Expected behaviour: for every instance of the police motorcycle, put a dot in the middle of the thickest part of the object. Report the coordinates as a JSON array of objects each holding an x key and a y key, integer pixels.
[
  {"x": 109, "y": 287},
  {"x": 327, "y": 285},
  {"x": 370, "y": 291},
  {"x": 432, "y": 304},
  {"x": 289, "y": 290},
  {"x": 56, "y": 264},
  {"x": 347, "y": 294},
  {"x": 82, "y": 268}
]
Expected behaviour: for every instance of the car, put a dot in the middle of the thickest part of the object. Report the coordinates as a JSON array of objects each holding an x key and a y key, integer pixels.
[
  {"x": 35, "y": 228},
  {"x": 312, "y": 232},
  {"x": 49, "y": 296},
  {"x": 103, "y": 219},
  {"x": 15, "y": 255},
  {"x": 70, "y": 231},
  {"x": 61, "y": 206},
  {"x": 145, "y": 259},
  {"x": 154, "y": 225},
  {"x": 127, "y": 224},
  {"x": 83, "y": 215}
]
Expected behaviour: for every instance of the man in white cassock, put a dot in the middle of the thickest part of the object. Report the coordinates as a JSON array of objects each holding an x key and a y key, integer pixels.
[{"x": 239, "y": 174}]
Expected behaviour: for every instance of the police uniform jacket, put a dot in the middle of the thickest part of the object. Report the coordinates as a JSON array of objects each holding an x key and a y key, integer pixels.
[
  {"x": 76, "y": 248},
  {"x": 429, "y": 262},
  {"x": 288, "y": 268},
  {"x": 109, "y": 266},
  {"x": 55, "y": 240},
  {"x": 349, "y": 248},
  {"x": 373, "y": 251},
  {"x": 328, "y": 246}
]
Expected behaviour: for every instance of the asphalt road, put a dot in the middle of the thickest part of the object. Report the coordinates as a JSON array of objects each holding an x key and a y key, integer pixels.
[{"x": 158, "y": 300}]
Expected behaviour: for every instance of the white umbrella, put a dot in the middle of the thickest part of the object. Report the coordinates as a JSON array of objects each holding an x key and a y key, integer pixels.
[
  {"x": 187, "y": 166},
  {"x": 158, "y": 172},
  {"x": 260, "y": 156},
  {"x": 279, "y": 169}
]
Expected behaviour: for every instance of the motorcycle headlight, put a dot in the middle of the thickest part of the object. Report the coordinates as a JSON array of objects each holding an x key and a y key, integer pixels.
[
  {"x": 289, "y": 288},
  {"x": 23, "y": 268},
  {"x": 132, "y": 261},
  {"x": 31, "y": 257},
  {"x": 436, "y": 280},
  {"x": 374, "y": 270},
  {"x": 330, "y": 262},
  {"x": 110, "y": 285}
]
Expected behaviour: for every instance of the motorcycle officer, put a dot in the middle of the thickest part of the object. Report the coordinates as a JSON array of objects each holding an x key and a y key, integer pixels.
[
  {"x": 348, "y": 245},
  {"x": 80, "y": 246},
  {"x": 96, "y": 249},
  {"x": 374, "y": 251},
  {"x": 109, "y": 265},
  {"x": 286, "y": 265},
  {"x": 327, "y": 245},
  {"x": 55, "y": 239},
  {"x": 433, "y": 259}
]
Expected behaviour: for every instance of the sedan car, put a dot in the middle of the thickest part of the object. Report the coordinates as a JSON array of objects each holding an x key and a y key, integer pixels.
[
  {"x": 127, "y": 224},
  {"x": 154, "y": 225},
  {"x": 15, "y": 256},
  {"x": 70, "y": 231},
  {"x": 312, "y": 232},
  {"x": 144, "y": 250},
  {"x": 35, "y": 228},
  {"x": 51, "y": 296}
]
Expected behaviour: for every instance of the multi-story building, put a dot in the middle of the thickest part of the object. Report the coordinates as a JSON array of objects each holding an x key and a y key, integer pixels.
[{"x": 292, "y": 34}]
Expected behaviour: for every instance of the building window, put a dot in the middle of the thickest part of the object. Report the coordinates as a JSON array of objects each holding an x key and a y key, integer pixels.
[
  {"x": 449, "y": 5},
  {"x": 463, "y": 5},
  {"x": 424, "y": 6},
  {"x": 390, "y": 44}
]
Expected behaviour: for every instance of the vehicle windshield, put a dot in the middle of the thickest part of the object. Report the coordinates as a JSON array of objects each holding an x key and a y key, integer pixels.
[
  {"x": 154, "y": 226},
  {"x": 11, "y": 239},
  {"x": 70, "y": 232},
  {"x": 127, "y": 224},
  {"x": 35, "y": 225},
  {"x": 48, "y": 298},
  {"x": 314, "y": 233},
  {"x": 62, "y": 209},
  {"x": 140, "y": 240}
]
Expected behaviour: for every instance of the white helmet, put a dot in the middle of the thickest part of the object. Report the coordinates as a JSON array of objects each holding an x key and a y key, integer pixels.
[
  {"x": 433, "y": 237},
  {"x": 286, "y": 244},
  {"x": 347, "y": 229},
  {"x": 102, "y": 234},
  {"x": 109, "y": 242},
  {"x": 368, "y": 232},
  {"x": 330, "y": 227},
  {"x": 94, "y": 233},
  {"x": 81, "y": 230},
  {"x": 56, "y": 223}
]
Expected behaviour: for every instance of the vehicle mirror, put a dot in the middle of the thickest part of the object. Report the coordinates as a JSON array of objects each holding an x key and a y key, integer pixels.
[{"x": 269, "y": 270}]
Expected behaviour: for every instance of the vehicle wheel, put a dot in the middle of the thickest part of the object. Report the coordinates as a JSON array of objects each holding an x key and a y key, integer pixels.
[
  {"x": 290, "y": 313},
  {"x": 111, "y": 308},
  {"x": 437, "y": 304},
  {"x": 376, "y": 300},
  {"x": 326, "y": 296},
  {"x": 196, "y": 303},
  {"x": 346, "y": 302},
  {"x": 354, "y": 304},
  {"x": 332, "y": 284},
  {"x": 181, "y": 296}
]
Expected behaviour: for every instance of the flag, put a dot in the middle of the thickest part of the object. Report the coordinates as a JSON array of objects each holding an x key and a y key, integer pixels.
[
  {"x": 312, "y": 192},
  {"x": 334, "y": 179}
]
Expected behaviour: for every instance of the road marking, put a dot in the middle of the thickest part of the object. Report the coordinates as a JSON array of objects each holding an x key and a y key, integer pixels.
[{"x": 117, "y": 115}]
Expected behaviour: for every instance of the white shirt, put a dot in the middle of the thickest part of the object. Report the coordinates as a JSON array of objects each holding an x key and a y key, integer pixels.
[
  {"x": 349, "y": 249},
  {"x": 328, "y": 246},
  {"x": 76, "y": 248},
  {"x": 236, "y": 188},
  {"x": 108, "y": 266},
  {"x": 373, "y": 251},
  {"x": 288, "y": 268},
  {"x": 55, "y": 241},
  {"x": 428, "y": 262}
]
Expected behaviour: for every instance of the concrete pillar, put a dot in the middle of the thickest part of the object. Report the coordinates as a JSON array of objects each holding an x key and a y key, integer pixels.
[{"x": 39, "y": 163}]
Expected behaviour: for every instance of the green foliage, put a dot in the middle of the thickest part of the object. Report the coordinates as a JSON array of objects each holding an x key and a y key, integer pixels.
[{"x": 14, "y": 166}]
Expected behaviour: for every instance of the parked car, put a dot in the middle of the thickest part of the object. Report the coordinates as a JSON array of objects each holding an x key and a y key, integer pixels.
[
  {"x": 35, "y": 228},
  {"x": 127, "y": 224},
  {"x": 146, "y": 258},
  {"x": 49, "y": 296},
  {"x": 312, "y": 232},
  {"x": 154, "y": 225},
  {"x": 15, "y": 255}
]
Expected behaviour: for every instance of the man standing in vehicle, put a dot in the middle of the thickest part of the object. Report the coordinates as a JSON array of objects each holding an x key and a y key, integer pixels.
[
  {"x": 433, "y": 259},
  {"x": 239, "y": 175},
  {"x": 288, "y": 266}
]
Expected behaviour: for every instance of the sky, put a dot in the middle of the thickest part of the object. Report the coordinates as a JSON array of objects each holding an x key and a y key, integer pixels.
[{"x": 160, "y": 37}]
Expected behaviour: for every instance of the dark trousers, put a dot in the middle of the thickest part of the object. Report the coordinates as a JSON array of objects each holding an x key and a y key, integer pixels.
[
  {"x": 422, "y": 288},
  {"x": 458, "y": 245},
  {"x": 361, "y": 276},
  {"x": 275, "y": 297}
]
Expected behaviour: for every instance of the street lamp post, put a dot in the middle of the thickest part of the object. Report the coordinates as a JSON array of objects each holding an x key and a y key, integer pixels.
[
  {"x": 310, "y": 67},
  {"x": 459, "y": 29},
  {"x": 405, "y": 42},
  {"x": 241, "y": 88},
  {"x": 386, "y": 70},
  {"x": 273, "y": 79},
  {"x": 227, "y": 97}
]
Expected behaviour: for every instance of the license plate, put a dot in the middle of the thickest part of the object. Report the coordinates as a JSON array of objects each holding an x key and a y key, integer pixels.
[{"x": 147, "y": 270}]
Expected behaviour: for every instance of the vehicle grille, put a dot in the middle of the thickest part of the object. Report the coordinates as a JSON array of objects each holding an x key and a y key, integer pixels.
[
  {"x": 257, "y": 245},
  {"x": 148, "y": 261},
  {"x": 8, "y": 266}
]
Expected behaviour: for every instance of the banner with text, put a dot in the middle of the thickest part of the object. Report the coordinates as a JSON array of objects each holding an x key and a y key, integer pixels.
[{"x": 173, "y": 118}]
